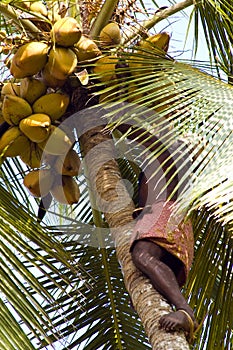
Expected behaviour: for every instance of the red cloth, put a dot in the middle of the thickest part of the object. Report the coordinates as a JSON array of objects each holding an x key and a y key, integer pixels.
[{"x": 168, "y": 231}]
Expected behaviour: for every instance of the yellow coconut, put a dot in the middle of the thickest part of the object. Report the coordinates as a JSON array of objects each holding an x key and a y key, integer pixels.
[
  {"x": 36, "y": 127},
  {"x": 13, "y": 142},
  {"x": 31, "y": 89},
  {"x": 66, "y": 32},
  {"x": 49, "y": 79},
  {"x": 39, "y": 8},
  {"x": 53, "y": 104},
  {"x": 158, "y": 42},
  {"x": 68, "y": 164},
  {"x": 110, "y": 35},
  {"x": 29, "y": 59},
  {"x": 39, "y": 182},
  {"x": 61, "y": 62},
  {"x": 10, "y": 89},
  {"x": 104, "y": 68},
  {"x": 86, "y": 49},
  {"x": 32, "y": 155},
  {"x": 14, "y": 109},
  {"x": 3, "y": 35},
  {"x": 66, "y": 190},
  {"x": 57, "y": 143}
]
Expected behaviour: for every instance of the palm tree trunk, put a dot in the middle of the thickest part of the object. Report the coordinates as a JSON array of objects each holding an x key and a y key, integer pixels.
[{"x": 104, "y": 177}]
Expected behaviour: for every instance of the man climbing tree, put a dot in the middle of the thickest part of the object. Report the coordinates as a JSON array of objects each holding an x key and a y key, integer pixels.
[{"x": 162, "y": 245}]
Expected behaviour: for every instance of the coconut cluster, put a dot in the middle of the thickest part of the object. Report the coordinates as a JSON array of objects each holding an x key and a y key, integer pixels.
[
  {"x": 33, "y": 103},
  {"x": 31, "y": 114}
]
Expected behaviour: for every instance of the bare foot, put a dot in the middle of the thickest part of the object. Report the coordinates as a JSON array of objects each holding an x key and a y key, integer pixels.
[{"x": 178, "y": 320}]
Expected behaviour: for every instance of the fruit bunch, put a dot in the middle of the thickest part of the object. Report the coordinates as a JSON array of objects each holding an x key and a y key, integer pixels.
[
  {"x": 56, "y": 56},
  {"x": 30, "y": 113},
  {"x": 58, "y": 178},
  {"x": 55, "y": 60},
  {"x": 33, "y": 102}
]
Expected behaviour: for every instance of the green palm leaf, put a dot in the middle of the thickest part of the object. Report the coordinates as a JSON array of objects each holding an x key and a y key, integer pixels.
[
  {"x": 216, "y": 21},
  {"x": 211, "y": 281},
  {"x": 28, "y": 252},
  {"x": 104, "y": 317},
  {"x": 186, "y": 104},
  {"x": 11, "y": 333}
]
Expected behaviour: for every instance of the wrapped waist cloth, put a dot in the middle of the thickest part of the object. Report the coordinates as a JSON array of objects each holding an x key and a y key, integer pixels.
[{"x": 169, "y": 231}]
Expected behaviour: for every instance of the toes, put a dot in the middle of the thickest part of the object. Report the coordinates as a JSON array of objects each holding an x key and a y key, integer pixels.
[
  {"x": 163, "y": 322},
  {"x": 171, "y": 326},
  {"x": 166, "y": 323},
  {"x": 173, "y": 322},
  {"x": 168, "y": 326}
]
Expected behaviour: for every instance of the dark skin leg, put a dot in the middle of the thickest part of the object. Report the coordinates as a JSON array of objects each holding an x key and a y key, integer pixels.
[
  {"x": 149, "y": 258},
  {"x": 162, "y": 268}
]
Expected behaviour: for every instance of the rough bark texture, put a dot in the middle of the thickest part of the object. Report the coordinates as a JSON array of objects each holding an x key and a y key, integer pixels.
[{"x": 149, "y": 305}]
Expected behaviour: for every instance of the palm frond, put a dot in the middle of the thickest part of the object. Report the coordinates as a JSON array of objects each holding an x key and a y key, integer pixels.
[
  {"x": 210, "y": 284},
  {"x": 104, "y": 318},
  {"x": 11, "y": 333},
  {"x": 215, "y": 18},
  {"x": 177, "y": 101},
  {"x": 29, "y": 254},
  {"x": 12, "y": 172}
]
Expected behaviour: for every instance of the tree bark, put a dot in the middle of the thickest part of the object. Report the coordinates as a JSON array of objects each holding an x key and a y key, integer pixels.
[{"x": 104, "y": 177}]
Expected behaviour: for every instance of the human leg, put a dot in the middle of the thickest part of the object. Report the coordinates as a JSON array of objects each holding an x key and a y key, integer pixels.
[{"x": 149, "y": 258}]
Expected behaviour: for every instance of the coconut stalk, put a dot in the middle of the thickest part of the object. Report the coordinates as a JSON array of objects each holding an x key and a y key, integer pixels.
[{"x": 104, "y": 176}]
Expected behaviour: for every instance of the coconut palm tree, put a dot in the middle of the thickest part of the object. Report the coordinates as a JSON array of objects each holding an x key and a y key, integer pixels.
[{"x": 66, "y": 281}]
